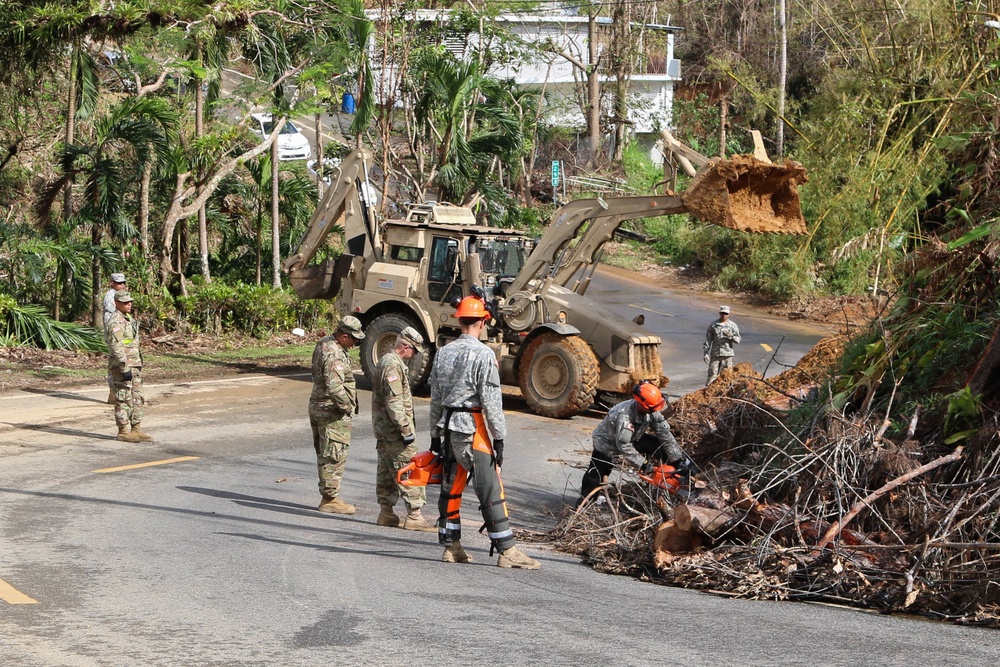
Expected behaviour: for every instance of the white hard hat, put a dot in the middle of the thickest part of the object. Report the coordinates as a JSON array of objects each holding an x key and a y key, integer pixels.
[{"x": 299, "y": 331}]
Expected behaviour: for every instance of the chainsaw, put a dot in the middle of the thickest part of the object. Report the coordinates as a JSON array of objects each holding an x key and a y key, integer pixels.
[
  {"x": 423, "y": 469},
  {"x": 663, "y": 477}
]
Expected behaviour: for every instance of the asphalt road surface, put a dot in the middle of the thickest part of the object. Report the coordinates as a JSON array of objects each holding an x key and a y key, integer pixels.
[
  {"x": 205, "y": 548},
  {"x": 680, "y": 318}
]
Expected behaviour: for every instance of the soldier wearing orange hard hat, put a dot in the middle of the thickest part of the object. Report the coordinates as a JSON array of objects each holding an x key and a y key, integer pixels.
[
  {"x": 637, "y": 430},
  {"x": 468, "y": 429}
]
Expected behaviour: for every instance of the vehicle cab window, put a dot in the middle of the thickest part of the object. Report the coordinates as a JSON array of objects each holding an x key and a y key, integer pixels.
[{"x": 444, "y": 281}]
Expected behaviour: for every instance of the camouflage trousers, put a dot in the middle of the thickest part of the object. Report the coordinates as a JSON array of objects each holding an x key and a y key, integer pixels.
[
  {"x": 127, "y": 397},
  {"x": 332, "y": 442},
  {"x": 393, "y": 455},
  {"x": 715, "y": 366}
]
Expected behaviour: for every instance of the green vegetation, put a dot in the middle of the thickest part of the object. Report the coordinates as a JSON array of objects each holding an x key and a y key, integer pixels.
[{"x": 127, "y": 145}]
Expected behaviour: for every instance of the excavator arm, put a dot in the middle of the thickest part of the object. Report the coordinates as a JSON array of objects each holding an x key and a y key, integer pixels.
[
  {"x": 554, "y": 258},
  {"x": 345, "y": 198},
  {"x": 747, "y": 193}
]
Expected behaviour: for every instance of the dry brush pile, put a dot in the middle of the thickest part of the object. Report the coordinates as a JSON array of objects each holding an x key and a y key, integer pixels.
[{"x": 867, "y": 475}]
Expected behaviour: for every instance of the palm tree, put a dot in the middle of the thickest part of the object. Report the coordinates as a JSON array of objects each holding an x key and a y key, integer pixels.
[
  {"x": 248, "y": 203},
  {"x": 469, "y": 118},
  {"x": 132, "y": 133}
]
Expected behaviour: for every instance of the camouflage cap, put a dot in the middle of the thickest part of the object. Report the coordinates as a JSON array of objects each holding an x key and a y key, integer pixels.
[
  {"x": 121, "y": 296},
  {"x": 724, "y": 309},
  {"x": 411, "y": 336},
  {"x": 118, "y": 278},
  {"x": 351, "y": 325}
]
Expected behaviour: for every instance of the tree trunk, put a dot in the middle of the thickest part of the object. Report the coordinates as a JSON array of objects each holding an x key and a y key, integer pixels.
[
  {"x": 275, "y": 220},
  {"x": 199, "y": 132},
  {"x": 723, "y": 121},
  {"x": 707, "y": 520},
  {"x": 97, "y": 303},
  {"x": 782, "y": 77},
  {"x": 259, "y": 242},
  {"x": 320, "y": 169},
  {"x": 70, "y": 129},
  {"x": 147, "y": 176},
  {"x": 593, "y": 88},
  {"x": 178, "y": 211}
]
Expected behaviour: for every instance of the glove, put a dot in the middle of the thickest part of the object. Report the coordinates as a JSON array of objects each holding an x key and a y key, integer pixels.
[
  {"x": 497, "y": 453},
  {"x": 707, "y": 359},
  {"x": 646, "y": 469},
  {"x": 127, "y": 375},
  {"x": 436, "y": 445},
  {"x": 683, "y": 466},
  {"x": 408, "y": 439}
]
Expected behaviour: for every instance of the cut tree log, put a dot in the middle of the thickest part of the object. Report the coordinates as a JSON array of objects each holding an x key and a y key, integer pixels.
[
  {"x": 670, "y": 540},
  {"x": 707, "y": 520}
]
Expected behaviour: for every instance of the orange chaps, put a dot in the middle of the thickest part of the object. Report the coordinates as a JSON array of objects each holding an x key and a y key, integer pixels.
[{"x": 470, "y": 457}]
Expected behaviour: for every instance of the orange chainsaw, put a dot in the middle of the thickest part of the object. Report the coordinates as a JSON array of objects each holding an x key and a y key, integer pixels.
[
  {"x": 423, "y": 469},
  {"x": 663, "y": 477}
]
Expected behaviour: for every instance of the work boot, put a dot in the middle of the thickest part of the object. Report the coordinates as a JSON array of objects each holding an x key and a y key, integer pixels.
[
  {"x": 139, "y": 433},
  {"x": 336, "y": 506},
  {"x": 387, "y": 518},
  {"x": 454, "y": 553},
  {"x": 514, "y": 557},
  {"x": 416, "y": 521},
  {"x": 125, "y": 435}
]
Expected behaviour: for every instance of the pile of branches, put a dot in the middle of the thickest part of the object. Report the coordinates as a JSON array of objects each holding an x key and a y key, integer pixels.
[{"x": 869, "y": 475}]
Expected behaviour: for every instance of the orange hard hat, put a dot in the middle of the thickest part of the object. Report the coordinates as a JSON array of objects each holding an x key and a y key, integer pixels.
[
  {"x": 472, "y": 306},
  {"x": 423, "y": 469},
  {"x": 648, "y": 396}
]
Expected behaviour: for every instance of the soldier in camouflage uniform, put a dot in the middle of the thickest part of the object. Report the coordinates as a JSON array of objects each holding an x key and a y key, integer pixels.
[
  {"x": 333, "y": 400},
  {"x": 394, "y": 427},
  {"x": 719, "y": 340},
  {"x": 637, "y": 431},
  {"x": 116, "y": 282},
  {"x": 125, "y": 370},
  {"x": 465, "y": 396}
]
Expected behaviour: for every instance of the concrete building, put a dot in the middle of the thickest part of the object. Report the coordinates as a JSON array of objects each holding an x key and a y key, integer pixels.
[{"x": 551, "y": 43}]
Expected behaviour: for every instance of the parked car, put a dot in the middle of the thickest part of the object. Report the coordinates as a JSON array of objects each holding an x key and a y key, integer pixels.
[{"x": 292, "y": 144}]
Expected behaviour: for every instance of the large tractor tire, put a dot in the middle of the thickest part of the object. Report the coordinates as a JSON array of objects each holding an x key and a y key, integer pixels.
[
  {"x": 380, "y": 337},
  {"x": 558, "y": 375}
]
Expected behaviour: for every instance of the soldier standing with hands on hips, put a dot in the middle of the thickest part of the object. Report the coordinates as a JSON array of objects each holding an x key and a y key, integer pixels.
[
  {"x": 465, "y": 397},
  {"x": 395, "y": 434},
  {"x": 719, "y": 340},
  {"x": 333, "y": 401},
  {"x": 125, "y": 370}
]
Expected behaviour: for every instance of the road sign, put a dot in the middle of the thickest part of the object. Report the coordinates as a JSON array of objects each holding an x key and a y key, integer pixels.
[{"x": 555, "y": 173}]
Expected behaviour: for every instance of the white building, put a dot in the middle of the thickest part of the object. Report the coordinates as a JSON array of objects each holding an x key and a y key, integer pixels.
[{"x": 555, "y": 41}]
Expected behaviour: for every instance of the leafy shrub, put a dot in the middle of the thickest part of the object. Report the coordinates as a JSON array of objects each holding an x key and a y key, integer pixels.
[{"x": 251, "y": 309}]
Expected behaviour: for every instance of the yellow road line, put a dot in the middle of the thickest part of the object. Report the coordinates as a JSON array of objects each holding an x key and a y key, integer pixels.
[
  {"x": 151, "y": 463},
  {"x": 766, "y": 346},
  {"x": 11, "y": 595}
]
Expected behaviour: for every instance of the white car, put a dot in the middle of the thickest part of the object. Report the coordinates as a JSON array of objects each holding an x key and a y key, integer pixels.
[{"x": 292, "y": 144}]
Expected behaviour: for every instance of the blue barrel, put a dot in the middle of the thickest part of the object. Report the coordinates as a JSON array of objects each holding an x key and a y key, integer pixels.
[{"x": 347, "y": 105}]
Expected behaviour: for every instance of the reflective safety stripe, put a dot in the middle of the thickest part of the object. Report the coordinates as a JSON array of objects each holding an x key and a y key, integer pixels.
[
  {"x": 452, "y": 526},
  {"x": 498, "y": 536}
]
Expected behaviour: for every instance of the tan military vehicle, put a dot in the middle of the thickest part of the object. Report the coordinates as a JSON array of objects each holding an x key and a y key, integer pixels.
[{"x": 562, "y": 349}]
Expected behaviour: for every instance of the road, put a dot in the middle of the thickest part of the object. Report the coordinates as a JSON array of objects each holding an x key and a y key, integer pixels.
[
  {"x": 204, "y": 548},
  {"x": 680, "y": 318}
]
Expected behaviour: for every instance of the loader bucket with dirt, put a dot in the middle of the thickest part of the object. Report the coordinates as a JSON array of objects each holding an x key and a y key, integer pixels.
[{"x": 748, "y": 195}]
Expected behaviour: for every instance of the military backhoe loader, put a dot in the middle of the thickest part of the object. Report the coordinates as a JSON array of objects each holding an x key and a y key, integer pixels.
[{"x": 563, "y": 350}]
